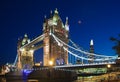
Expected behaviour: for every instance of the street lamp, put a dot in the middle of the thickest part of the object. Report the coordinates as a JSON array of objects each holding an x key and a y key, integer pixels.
[
  {"x": 50, "y": 63},
  {"x": 108, "y": 66}
]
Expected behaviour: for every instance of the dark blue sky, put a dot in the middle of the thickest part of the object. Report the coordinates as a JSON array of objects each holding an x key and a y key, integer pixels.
[{"x": 100, "y": 19}]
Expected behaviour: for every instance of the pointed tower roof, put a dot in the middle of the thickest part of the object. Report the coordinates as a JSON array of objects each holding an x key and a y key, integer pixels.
[
  {"x": 45, "y": 17},
  {"x": 91, "y": 42},
  {"x": 66, "y": 24},
  {"x": 51, "y": 14},
  {"x": 66, "y": 21},
  {"x": 26, "y": 35},
  {"x": 56, "y": 16},
  {"x": 56, "y": 11}
]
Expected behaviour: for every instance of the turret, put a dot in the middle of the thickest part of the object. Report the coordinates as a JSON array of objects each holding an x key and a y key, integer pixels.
[
  {"x": 51, "y": 14},
  {"x": 66, "y": 24},
  {"x": 56, "y": 16},
  {"x": 44, "y": 23},
  {"x": 25, "y": 40}
]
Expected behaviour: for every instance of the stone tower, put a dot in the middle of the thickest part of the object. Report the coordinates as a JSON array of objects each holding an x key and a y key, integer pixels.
[
  {"x": 25, "y": 55},
  {"x": 54, "y": 51}
]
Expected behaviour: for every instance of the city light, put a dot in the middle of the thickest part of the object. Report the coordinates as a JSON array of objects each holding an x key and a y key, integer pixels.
[
  {"x": 108, "y": 65},
  {"x": 50, "y": 63},
  {"x": 31, "y": 51},
  {"x": 22, "y": 49}
]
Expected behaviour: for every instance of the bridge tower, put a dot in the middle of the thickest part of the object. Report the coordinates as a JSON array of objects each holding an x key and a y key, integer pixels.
[
  {"x": 54, "y": 51},
  {"x": 25, "y": 55}
]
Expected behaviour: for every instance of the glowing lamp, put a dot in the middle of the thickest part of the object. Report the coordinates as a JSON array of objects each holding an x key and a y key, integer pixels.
[
  {"x": 50, "y": 63},
  {"x": 22, "y": 50},
  {"x": 108, "y": 65},
  {"x": 31, "y": 51}
]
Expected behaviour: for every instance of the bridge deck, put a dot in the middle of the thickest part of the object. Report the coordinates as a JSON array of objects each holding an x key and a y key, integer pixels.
[{"x": 96, "y": 65}]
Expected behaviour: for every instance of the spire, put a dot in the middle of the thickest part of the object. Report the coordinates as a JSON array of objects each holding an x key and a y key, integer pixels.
[
  {"x": 51, "y": 13},
  {"x": 91, "y": 46},
  {"x": 56, "y": 16},
  {"x": 45, "y": 17},
  {"x": 25, "y": 35},
  {"x": 56, "y": 11},
  {"x": 66, "y": 21},
  {"x": 66, "y": 24},
  {"x": 91, "y": 42},
  {"x": 91, "y": 51},
  {"x": 44, "y": 22}
]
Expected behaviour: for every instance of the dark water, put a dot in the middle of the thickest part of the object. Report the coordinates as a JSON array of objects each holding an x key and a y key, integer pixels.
[
  {"x": 45, "y": 75},
  {"x": 31, "y": 80}
]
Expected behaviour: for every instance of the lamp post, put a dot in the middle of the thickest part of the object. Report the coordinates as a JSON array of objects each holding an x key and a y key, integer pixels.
[
  {"x": 51, "y": 63},
  {"x": 50, "y": 69},
  {"x": 108, "y": 66}
]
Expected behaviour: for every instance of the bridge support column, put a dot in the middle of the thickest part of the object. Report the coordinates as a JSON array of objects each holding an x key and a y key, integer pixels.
[{"x": 25, "y": 59}]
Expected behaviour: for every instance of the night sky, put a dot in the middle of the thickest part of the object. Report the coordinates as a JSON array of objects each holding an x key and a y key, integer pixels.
[{"x": 88, "y": 19}]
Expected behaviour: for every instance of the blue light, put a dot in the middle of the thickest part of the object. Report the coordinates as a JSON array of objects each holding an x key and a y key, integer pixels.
[{"x": 27, "y": 71}]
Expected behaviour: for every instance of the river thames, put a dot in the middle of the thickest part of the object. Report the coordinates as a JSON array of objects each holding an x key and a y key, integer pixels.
[
  {"x": 32, "y": 80},
  {"x": 108, "y": 77}
]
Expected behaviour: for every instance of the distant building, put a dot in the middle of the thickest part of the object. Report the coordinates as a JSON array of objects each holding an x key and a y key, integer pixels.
[{"x": 90, "y": 56}]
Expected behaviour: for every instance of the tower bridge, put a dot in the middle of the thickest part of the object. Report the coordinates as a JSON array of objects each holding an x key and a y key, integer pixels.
[
  {"x": 56, "y": 48},
  {"x": 62, "y": 58}
]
